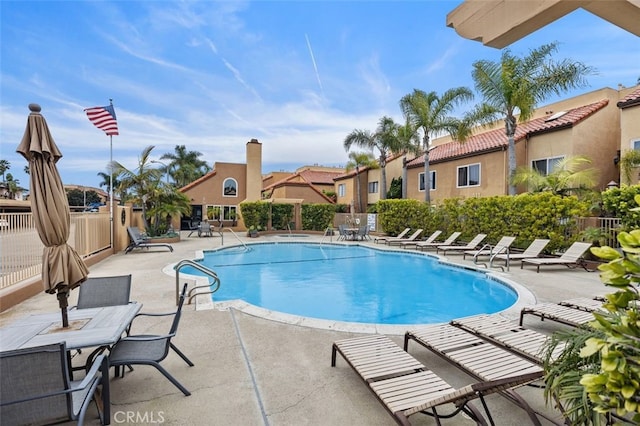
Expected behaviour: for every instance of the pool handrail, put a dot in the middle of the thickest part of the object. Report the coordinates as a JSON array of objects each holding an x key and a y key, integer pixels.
[
  {"x": 329, "y": 232},
  {"x": 237, "y": 237},
  {"x": 213, "y": 287}
]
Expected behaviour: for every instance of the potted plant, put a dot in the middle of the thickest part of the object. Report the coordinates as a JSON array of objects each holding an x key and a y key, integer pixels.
[{"x": 253, "y": 231}]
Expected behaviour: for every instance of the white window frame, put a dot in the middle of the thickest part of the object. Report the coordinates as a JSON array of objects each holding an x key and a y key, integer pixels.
[
  {"x": 224, "y": 184},
  {"x": 468, "y": 167},
  {"x": 342, "y": 190},
  {"x": 432, "y": 181},
  {"x": 550, "y": 163},
  {"x": 635, "y": 144},
  {"x": 375, "y": 187}
]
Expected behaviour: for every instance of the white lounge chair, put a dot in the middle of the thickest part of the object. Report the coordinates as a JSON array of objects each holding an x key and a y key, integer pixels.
[
  {"x": 471, "y": 245},
  {"x": 491, "y": 250},
  {"x": 384, "y": 239},
  {"x": 572, "y": 258},
  {"x": 397, "y": 242},
  {"x": 431, "y": 238},
  {"x": 424, "y": 245},
  {"x": 534, "y": 250}
]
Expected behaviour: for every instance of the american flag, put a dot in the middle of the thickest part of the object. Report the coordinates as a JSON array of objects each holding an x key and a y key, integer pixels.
[{"x": 104, "y": 118}]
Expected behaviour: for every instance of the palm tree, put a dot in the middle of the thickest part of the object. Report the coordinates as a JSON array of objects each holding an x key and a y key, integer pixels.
[
  {"x": 4, "y": 166},
  {"x": 430, "y": 113},
  {"x": 516, "y": 85},
  {"x": 185, "y": 166},
  {"x": 358, "y": 160},
  {"x": 142, "y": 183},
  {"x": 106, "y": 182},
  {"x": 384, "y": 140},
  {"x": 568, "y": 175},
  {"x": 409, "y": 143}
]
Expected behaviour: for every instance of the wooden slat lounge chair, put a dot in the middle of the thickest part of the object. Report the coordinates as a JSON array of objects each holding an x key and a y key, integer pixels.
[
  {"x": 138, "y": 241},
  {"x": 508, "y": 334},
  {"x": 384, "y": 239},
  {"x": 405, "y": 387},
  {"x": 571, "y": 258},
  {"x": 431, "y": 238},
  {"x": 397, "y": 242},
  {"x": 471, "y": 245},
  {"x": 589, "y": 304},
  {"x": 480, "y": 359},
  {"x": 491, "y": 250},
  {"x": 423, "y": 245},
  {"x": 534, "y": 250},
  {"x": 558, "y": 313}
]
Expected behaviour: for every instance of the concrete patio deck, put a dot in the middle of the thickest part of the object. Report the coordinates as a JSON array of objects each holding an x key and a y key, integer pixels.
[{"x": 255, "y": 371}]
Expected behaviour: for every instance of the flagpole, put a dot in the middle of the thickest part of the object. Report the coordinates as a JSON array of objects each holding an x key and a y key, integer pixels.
[{"x": 111, "y": 188}]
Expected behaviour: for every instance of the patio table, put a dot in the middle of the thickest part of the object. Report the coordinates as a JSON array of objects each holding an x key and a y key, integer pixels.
[{"x": 87, "y": 328}]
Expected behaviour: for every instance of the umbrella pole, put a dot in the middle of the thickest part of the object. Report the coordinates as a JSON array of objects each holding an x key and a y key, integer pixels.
[{"x": 63, "y": 302}]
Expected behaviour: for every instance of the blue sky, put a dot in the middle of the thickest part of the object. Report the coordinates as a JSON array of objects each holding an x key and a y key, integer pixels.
[{"x": 296, "y": 75}]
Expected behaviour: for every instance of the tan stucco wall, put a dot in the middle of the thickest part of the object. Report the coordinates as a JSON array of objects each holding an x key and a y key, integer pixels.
[
  {"x": 253, "y": 172},
  {"x": 210, "y": 191},
  {"x": 302, "y": 192},
  {"x": 630, "y": 130}
]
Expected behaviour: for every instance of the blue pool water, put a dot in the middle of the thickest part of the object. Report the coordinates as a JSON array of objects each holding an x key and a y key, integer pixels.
[{"x": 353, "y": 283}]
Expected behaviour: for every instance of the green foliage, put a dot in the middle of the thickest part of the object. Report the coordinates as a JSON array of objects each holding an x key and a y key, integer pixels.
[
  {"x": 395, "y": 189},
  {"x": 317, "y": 217},
  {"x": 341, "y": 208},
  {"x": 281, "y": 215},
  {"x": 77, "y": 197},
  {"x": 620, "y": 202},
  {"x": 628, "y": 161},
  {"x": 255, "y": 213},
  {"x": 609, "y": 366},
  {"x": 526, "y": 216}
]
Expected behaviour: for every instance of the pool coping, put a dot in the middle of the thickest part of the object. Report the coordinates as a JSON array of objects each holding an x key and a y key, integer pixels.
[{"x": 203, "y": 300}]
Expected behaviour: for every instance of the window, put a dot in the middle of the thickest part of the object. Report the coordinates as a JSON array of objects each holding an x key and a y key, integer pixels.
[
  {"x": 545, "y": 165},
  {"x": 373, "y": 187},
  {"x": 230, "y": 188},
  {"x": 229, "y": 212},
  {"x": 342, "y": 190},
  {"x": 469, "y": 175},
  {"x": 432, "y": 181},
  {"x": 635, "y": 145}
]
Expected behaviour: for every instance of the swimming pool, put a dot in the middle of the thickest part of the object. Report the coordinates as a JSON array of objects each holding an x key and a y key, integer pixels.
[{"x": 353, "y": 283}]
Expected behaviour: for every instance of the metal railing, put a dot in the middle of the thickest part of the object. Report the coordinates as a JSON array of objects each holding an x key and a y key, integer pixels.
[
  {"x": 609, "y": 228},
  {"x": 213, "y": 286}
]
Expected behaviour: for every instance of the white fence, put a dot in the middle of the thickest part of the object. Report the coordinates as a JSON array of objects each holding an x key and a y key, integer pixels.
[{"x": 21, "y": 248}]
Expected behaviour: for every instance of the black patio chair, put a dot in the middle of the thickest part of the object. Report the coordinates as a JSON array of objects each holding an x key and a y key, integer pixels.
[
  {"x": 140, "y": 241},
  {"x": 150, "y": 349},
  {"x": 98, "y": 292},
  {"x": 36, "y": 387}
]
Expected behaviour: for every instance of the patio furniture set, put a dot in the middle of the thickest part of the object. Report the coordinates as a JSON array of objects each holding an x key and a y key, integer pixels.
[{"x": 37, "y": 383}]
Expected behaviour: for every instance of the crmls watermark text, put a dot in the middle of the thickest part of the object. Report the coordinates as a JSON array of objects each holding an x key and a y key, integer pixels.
[{"x": 138, "y": 417}]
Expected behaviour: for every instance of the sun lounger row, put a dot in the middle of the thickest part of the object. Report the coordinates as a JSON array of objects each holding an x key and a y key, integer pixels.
[
  {"x": 496, "y": 351},
  {"x": 406, "y": 387}
]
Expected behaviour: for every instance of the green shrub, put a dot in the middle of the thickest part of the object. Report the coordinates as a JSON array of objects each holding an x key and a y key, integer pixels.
[
  {"x": 317, "y": 217},
  {"x": 619, "y": 202}
]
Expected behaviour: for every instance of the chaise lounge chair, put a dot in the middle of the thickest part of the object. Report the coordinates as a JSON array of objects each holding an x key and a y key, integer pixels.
[
  {"x": 399, "y": 236},
  {"x": 471, "y": 245},
  {"x": 501, "y": 246},
  {"x": 431, "y": 238},
  {"x": 558, "y": 313},
  {"x": 534, "y": 250},
  {"x": 572, "y": 258},
  {"x": 397, "y": 242},
  {"x": 508, "y": 334},
  {"x": 405, "y": 387},
  {"x": 138, "y": 241},
  {"x": 480, "y": 359},
  {"x": 589, "y": 304},
  {"x": 424, "y": 245}
]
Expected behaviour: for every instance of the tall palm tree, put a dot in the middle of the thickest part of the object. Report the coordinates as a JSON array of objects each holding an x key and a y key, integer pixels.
[
  {"x": 357, "y": 161},
  {"x": 4, "y": 166},
  {"x": 141, "y": 183},
  {"x": 516, "y": 85},
  {"x": 383, "y": 139},
  {"x": 106, "y": 183},
  {"x": 185, "y": 166},
  {"x": 431, "y": 114},
  {"x": 409, "y": 143}
]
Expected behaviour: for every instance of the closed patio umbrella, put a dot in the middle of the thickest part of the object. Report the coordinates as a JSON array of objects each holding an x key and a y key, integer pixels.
[{"x": 62, "y": 267}]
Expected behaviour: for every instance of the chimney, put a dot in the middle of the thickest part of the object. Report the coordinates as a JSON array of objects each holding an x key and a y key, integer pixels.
[{"x": 254, "y": 170}]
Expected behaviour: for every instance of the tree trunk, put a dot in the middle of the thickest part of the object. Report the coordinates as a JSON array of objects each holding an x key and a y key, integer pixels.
[
  {"x": 404, "y": 177},
  {"x": 510, "y": 124}
]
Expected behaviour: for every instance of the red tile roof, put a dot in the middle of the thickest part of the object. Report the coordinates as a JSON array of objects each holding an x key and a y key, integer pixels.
[
  {"x": 496, "y": 139},
  {"x": 307, "y": 176},
  {"x": 631, "y": 99}
]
